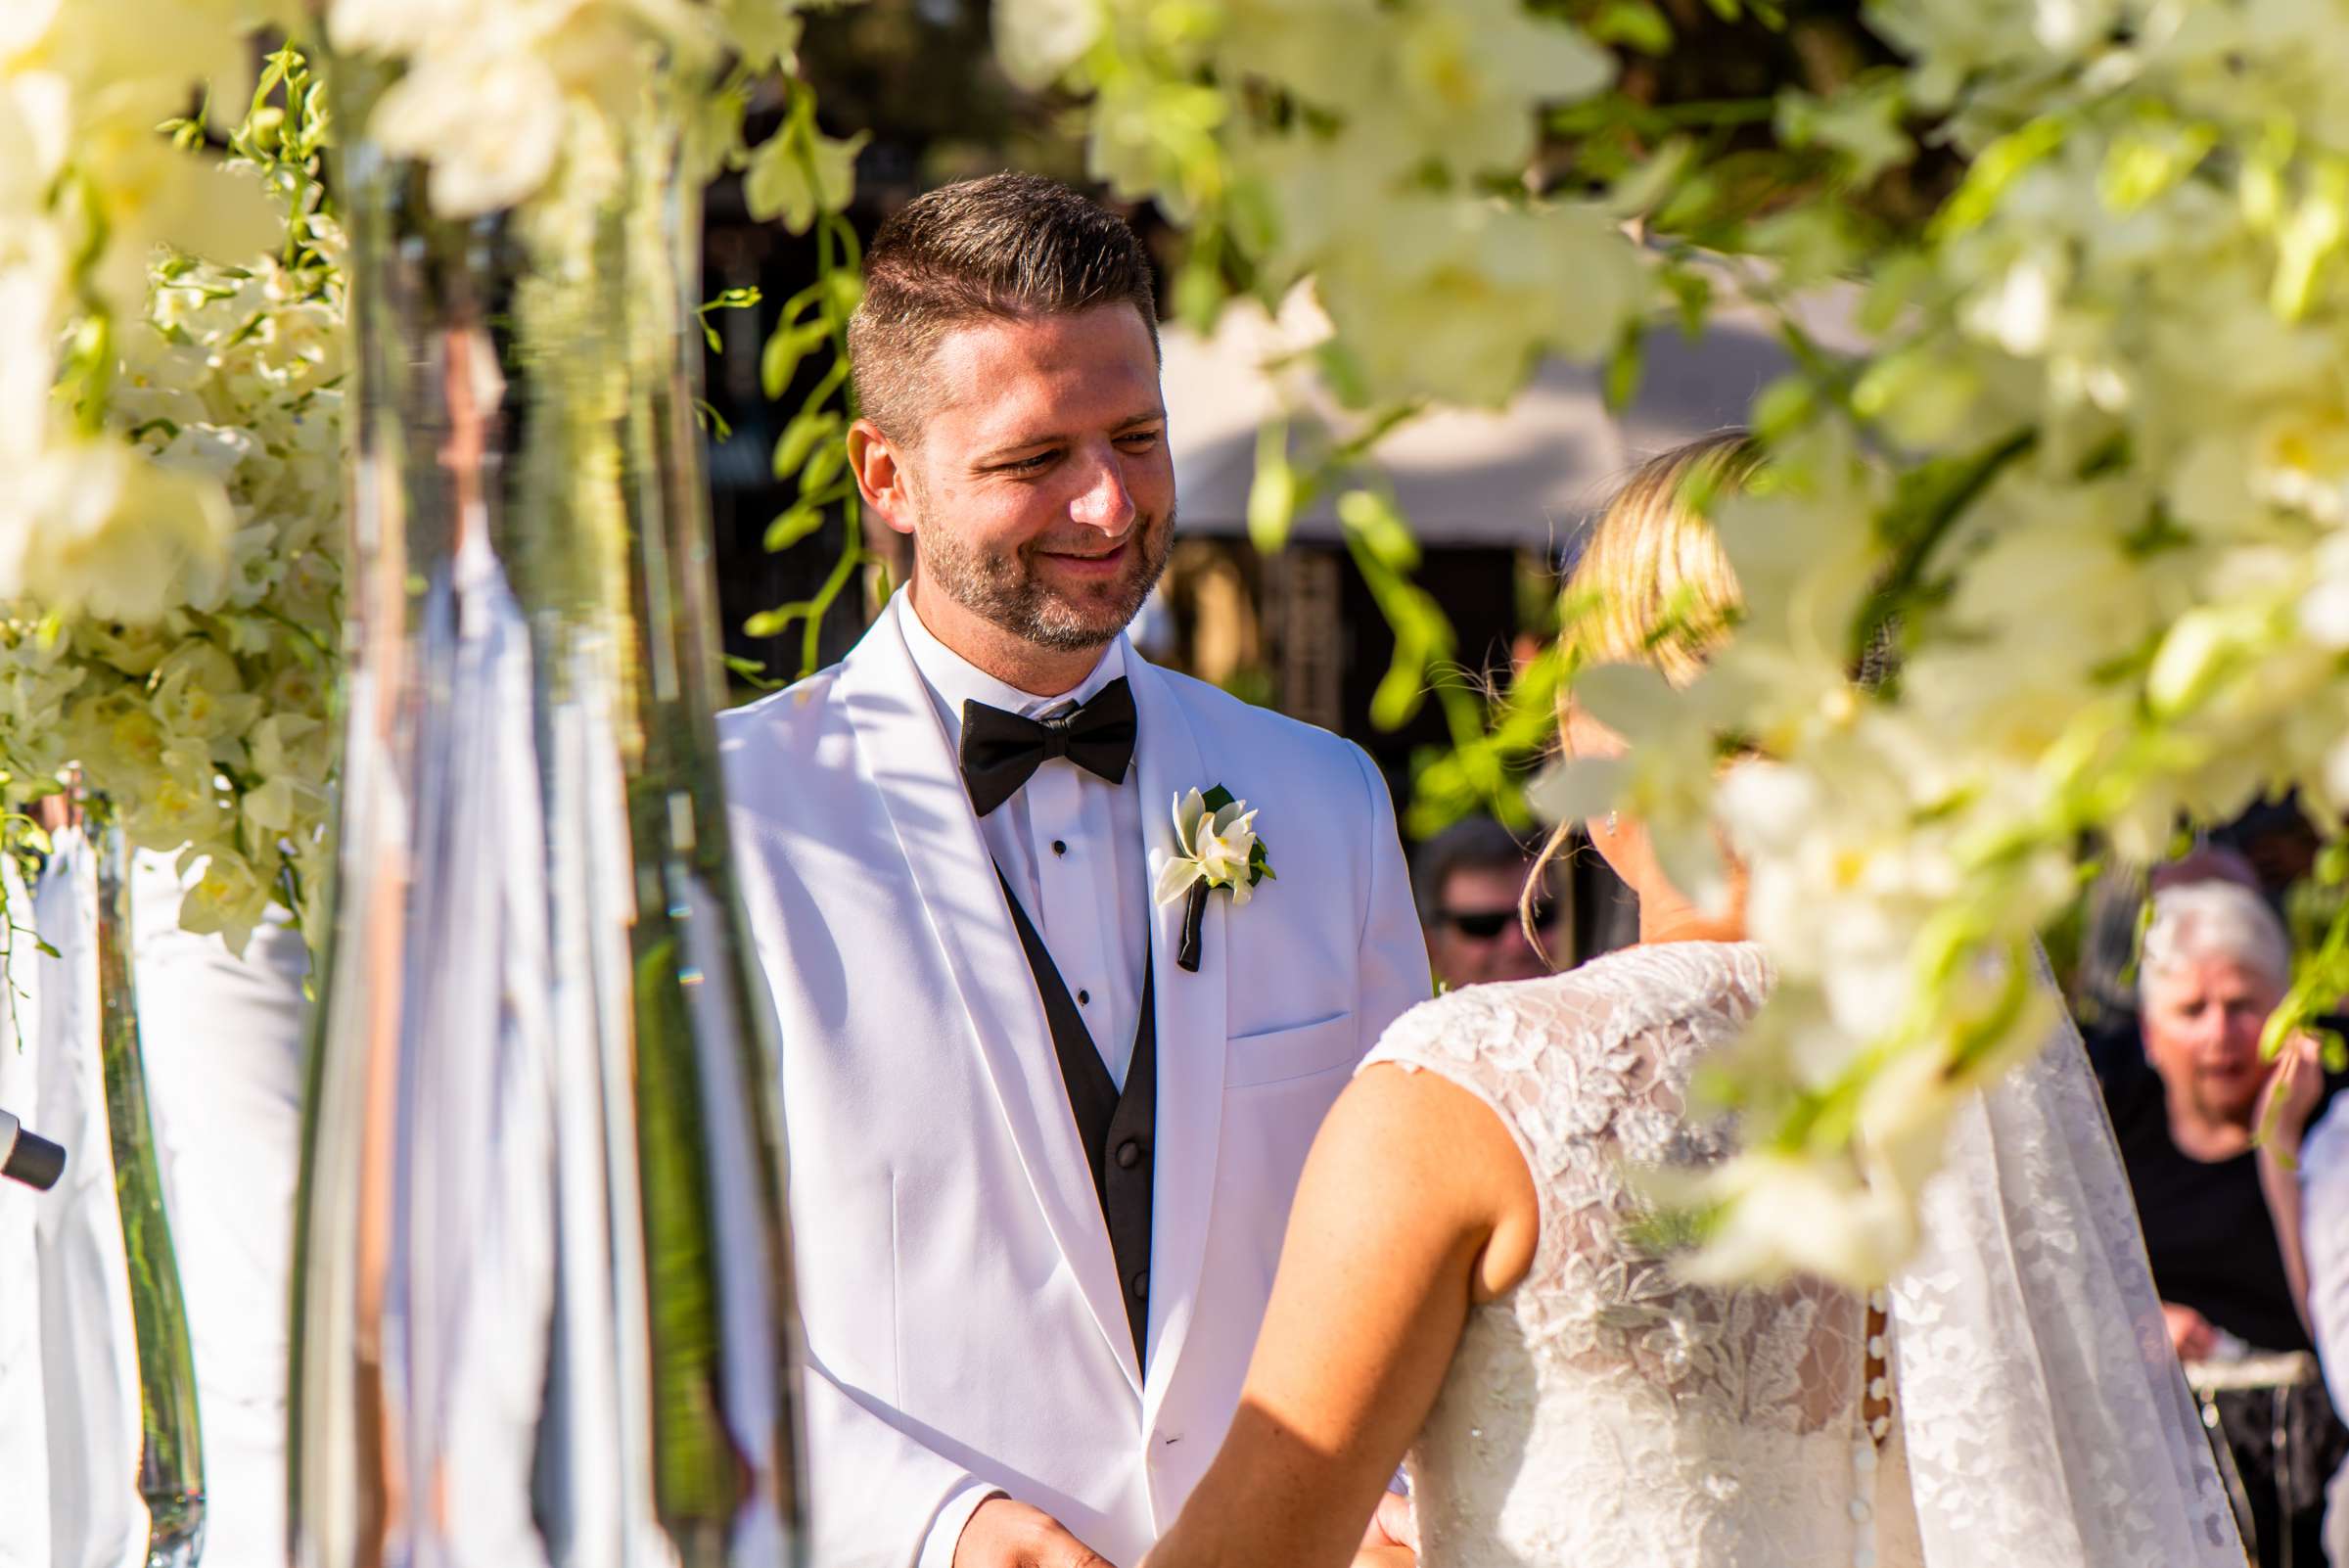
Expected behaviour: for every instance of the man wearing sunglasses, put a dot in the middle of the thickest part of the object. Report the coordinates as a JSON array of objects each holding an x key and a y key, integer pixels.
[{"x": 1468, "y": 880}]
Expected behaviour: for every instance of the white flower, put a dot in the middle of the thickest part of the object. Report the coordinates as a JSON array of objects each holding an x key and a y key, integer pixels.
[
  {"x": 230, "y": 899},
  {"x": 1037, "y": 39},
  {"x": 1219, "y": 850},
  {"x": 489, "y": 123},
  {"x": 100, "y": 527}
]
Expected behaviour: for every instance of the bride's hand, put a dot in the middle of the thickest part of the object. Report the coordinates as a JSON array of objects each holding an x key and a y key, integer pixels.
[
  {"x": 2290, "y": 1098},
  {"x": 1393, "y": 1539}
]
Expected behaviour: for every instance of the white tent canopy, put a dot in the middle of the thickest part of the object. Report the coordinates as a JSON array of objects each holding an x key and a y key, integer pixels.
[{"x": 1526, "y": 476}]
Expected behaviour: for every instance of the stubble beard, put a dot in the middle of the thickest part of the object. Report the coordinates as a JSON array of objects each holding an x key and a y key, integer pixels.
[{"x": 1003, "y": 589}]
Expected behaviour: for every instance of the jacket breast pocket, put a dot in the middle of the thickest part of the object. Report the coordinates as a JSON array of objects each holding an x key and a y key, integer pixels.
[{"x": 1278, "y": 1054}]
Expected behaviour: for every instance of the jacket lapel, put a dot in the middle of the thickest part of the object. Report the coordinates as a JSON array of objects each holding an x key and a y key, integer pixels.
[
  {"x": 903, "y": 751},
  {"x": 1191, "y": 1016}
]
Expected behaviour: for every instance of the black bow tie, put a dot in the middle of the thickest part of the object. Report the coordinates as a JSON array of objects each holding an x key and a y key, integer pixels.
[{"x": 1001, "y": 751}]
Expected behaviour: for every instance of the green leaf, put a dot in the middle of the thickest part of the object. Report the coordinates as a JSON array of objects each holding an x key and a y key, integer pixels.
[
  {"x": 1996, "y": 167},
  {"x": 1217, "y": 799},
  {"x": 752, "y": 673},
  {"x": 1272, "y": 493},
  {"x": 780, "y": 360},
  {"x": 739, "y": 299},
  {"x": 790, "y": 527},
  {"x": 1199, "y": 295},
  {"x": 1372, "y": 518},
  {"x": 1633, "y": 24},
  {"x": 1624, "y": 367},
  {"x": 800, "y": 439},
  {"x": 823, "y": 466}
]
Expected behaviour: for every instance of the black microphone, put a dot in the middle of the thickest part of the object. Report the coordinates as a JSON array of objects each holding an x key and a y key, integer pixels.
[{"x": 27, "y": 1157}]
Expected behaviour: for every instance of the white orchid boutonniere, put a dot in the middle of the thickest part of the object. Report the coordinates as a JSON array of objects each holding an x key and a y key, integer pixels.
[{"x": 1220, "y": 848}]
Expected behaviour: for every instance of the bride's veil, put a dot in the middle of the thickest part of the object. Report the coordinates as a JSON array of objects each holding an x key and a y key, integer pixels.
[{"x": 2046, "y": 1421}]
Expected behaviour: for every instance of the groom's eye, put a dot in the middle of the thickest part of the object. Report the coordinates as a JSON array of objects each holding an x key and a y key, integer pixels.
[
  {"x": 1140, "y": 440},
  {"x": 1036, "y": 463}
]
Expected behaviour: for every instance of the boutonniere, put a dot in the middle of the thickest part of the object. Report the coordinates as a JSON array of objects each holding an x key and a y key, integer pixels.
[{"x": 1219, "y": 850}]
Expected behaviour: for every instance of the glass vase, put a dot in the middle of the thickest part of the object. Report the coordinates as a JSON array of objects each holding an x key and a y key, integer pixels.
[
  {"x": 543, "y": 1307},
  {"x": 171, "y": 1473}
]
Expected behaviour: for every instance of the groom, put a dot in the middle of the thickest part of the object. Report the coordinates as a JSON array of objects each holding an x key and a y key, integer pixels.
[{"x": 1043, "y": 1138}]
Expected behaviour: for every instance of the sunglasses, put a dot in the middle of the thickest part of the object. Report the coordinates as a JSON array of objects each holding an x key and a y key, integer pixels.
[{"x": 1483, "y": 925}]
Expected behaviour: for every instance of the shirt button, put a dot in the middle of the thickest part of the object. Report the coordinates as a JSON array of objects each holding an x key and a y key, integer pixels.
[
  {"x": 1139, "y": 1284},
  {"x": 1060, "y": 847},
  {"x": 1083, "y": 997},
  {"x": 1130, "y": 1154}
]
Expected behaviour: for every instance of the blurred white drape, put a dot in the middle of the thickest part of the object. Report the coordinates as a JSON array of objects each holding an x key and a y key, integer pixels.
[{"x": 223, "y": 1042}]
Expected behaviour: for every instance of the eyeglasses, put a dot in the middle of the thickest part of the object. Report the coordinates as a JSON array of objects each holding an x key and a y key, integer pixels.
[{"x": 1483, "y": 925}]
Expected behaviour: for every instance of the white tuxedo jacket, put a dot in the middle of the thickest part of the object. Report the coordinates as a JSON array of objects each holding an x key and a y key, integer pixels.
[{"x": 965, "y": 1333}]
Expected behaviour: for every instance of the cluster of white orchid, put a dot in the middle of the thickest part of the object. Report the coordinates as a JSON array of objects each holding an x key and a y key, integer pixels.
[
  {"x": 168, "y": 582},
  {"x": 2098, "y": 453},
  {"x": 174, "y": 345},
  {"x": 88, "y": 191},
  {"x": 508, "y": 103},
  {"x": 1355, "y": 142},
  {"x": 190, "y": 690}
]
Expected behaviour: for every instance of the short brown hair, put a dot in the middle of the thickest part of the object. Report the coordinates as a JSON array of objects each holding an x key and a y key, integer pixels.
[{"x": 1005, "y": 247}]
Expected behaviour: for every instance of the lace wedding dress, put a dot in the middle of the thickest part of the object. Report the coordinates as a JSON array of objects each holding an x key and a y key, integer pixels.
[{"x": 1605, "y": 1412}]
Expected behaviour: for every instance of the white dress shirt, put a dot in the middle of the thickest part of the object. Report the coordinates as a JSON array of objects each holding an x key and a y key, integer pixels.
[{"x": 1069, "y": 841}]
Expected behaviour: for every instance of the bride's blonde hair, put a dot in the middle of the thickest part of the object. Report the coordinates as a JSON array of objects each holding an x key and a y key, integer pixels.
[{"x": 1652, "y": 585}]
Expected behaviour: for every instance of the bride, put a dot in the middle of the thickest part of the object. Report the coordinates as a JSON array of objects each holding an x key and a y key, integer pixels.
[{"x": 1462, "y": 1279}]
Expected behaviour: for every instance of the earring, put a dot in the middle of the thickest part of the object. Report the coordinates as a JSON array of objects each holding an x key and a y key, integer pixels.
[{"x": 1610, "y": 825}]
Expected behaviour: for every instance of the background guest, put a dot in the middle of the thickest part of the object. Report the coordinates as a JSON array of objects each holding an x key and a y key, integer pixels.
[
  {"x": 2184, "y": 1107},
  {"x": 1468, "y": 880}
]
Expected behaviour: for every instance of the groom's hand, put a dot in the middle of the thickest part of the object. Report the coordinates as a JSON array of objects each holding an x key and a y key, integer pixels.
[{"x": 1003, "y": 1534}]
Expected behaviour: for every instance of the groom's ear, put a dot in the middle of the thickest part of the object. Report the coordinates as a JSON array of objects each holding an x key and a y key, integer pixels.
[{"x": 881, "y": 475}]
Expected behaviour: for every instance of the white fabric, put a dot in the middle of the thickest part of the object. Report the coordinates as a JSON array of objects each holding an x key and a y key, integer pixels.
[
  {"x": 964, "y": 1318},
  {"x": 23, "y": 1428},
  {"x": 2325, "y": 1240},
  {"x": 222, "y": 1041},
  {"x": 223, "y": 1036},
  {"x": 1089, "y": 899},
  {"x": 1606, "y": 1411},
  {"x": 88, "y": 1366}
]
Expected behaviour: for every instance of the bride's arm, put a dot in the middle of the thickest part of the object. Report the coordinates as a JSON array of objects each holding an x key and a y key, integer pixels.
[{"x": 1414, "y": 1203}]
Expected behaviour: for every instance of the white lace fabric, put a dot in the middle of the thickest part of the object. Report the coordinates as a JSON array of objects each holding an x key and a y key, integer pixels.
[{"x": 1606, "y": 1411}]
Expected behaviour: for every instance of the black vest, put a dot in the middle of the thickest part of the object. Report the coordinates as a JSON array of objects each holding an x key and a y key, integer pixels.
[{"x": 1117, "y": 1130}]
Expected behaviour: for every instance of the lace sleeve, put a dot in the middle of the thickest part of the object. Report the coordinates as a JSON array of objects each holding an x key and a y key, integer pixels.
[{"x": 1588, "y": 1071}]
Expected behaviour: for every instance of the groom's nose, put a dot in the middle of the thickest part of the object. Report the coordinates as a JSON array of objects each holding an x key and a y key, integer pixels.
[{"x": 1103, "y": 502}]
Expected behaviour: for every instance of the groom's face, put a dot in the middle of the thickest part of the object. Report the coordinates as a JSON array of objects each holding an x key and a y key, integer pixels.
[{"x": 1038, "y": 488}]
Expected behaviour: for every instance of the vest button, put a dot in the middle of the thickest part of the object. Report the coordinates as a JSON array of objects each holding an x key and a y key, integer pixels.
[
  {"x": 1139, "y": 1284},
  {"x": 1060, "y": 847},
  {"x": 1130, "y": 1154},
  {"x": 1083, "y": 997}
]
